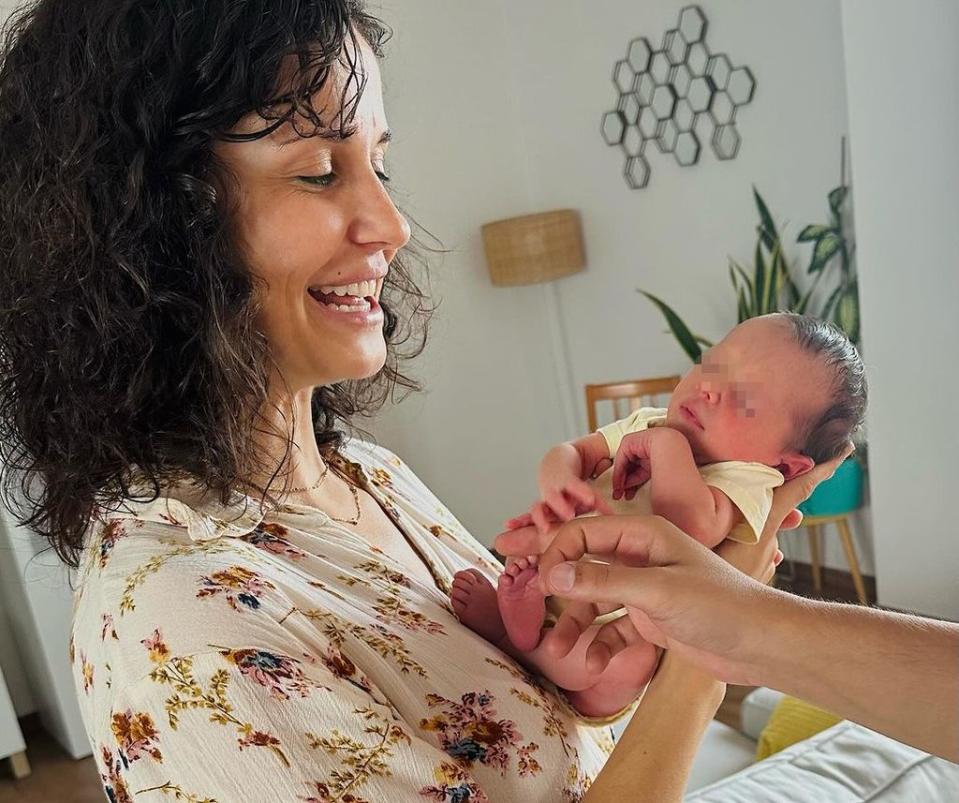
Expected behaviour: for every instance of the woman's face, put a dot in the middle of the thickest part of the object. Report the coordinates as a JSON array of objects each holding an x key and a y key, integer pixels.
[{"x": 316, "y": 224}]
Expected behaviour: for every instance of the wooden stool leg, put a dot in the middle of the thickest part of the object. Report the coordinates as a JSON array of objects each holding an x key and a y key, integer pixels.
[
  {"x": 850, "y": 548},
  {"x": 814, "y": 557},
  {"x": 19, "y": 765}
]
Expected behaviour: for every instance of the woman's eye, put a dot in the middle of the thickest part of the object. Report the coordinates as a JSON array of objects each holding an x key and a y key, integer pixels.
[{"x": 319, "y": 181}]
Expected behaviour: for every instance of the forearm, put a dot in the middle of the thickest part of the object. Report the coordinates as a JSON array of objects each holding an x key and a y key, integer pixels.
[
  {"x": 558, "y": 463},
  {"x": 677, "y": 491},
  {"x": 653, "y": 757},
  {"x": 894, "y": 673}
]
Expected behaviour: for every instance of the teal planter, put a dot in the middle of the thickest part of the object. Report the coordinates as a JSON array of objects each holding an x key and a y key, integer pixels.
[{"x": 841, "y": 493}]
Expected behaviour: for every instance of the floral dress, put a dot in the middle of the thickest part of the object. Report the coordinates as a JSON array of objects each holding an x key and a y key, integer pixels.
[{"x": 223, "y": 656}]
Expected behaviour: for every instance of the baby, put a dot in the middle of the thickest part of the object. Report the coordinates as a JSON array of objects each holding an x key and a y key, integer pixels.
[{"x": 777, "y": 395}]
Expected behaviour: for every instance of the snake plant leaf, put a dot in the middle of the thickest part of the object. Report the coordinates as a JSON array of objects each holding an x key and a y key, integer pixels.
[
  {"x": 742, "y": 308},
  {"x": 704, "y": 342},
  {"x": 686, "y": 339},
  {"x": 767, "y": 229},
  {"x": 836, "y": 198},
  {"x": 743, "y": 275},
  {"x": 826, "y": 248},
  {"x": 813, "y": 232},
  {"x": 759, "y": 284}
]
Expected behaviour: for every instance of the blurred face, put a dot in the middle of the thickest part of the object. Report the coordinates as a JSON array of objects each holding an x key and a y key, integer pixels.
[
  {"x": 748, "y": 397},
  {"x": 317, "y": 225}
]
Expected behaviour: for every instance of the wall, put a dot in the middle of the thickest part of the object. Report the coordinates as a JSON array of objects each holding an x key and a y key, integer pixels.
[
  {"x": 497, "y": 107},
  {"x": 903, "y": 81}
]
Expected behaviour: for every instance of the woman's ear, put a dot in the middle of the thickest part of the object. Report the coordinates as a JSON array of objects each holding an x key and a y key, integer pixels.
[{"x": 794, "y": 464}]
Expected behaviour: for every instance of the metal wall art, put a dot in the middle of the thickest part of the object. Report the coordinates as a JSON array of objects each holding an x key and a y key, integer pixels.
[{"x": 677, "y": 96}]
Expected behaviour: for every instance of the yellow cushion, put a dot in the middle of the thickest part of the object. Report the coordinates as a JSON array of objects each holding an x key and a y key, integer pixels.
[{"x": 792, "y": 721}]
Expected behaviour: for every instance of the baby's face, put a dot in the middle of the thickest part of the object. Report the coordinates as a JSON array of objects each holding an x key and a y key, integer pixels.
[{"x": 747, "y": 398}]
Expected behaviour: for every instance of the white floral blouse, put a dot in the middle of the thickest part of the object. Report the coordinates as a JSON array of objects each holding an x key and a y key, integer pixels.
[{"x": 223, "y": 656}]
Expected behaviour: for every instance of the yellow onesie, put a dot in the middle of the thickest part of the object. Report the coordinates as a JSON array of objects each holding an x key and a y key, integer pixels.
[{"x": 748, "y": 485}]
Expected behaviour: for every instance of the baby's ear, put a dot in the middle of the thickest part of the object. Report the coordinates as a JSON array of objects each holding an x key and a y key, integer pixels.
[{"x": 794, "y": 464}]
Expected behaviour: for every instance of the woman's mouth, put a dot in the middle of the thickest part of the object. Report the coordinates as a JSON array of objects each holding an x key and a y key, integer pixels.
[{"x": 356, "y": 299}]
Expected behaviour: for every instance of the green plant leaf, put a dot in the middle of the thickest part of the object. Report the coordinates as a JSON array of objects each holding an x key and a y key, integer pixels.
[
  {"x": 831, "y": 302},
  {"x": 774, "y": 286},
  {"x": 759, "y": 284},
  {"x": 686, "y": 339},
  {"x": 836, "y": 198},
  {"x": 826, "y": 248},
  {"x": 743, "y": 275},
  {"x": 742, "y": 311},
  {"x": 704, "y": 342},
  {"x": 767, "y": 229},
  {"x": 847, "y": 312},
  {"x": 813, "y": 232}
]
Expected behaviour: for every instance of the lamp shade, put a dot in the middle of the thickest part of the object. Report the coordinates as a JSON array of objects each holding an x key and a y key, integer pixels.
[{"x": 534, "y": 248}]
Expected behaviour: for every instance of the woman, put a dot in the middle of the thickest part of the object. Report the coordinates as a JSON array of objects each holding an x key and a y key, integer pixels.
[{"x": 202, "y": 286}]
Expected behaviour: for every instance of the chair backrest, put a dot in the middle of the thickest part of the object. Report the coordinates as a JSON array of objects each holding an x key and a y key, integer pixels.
[{"x": 628, "y": 396}]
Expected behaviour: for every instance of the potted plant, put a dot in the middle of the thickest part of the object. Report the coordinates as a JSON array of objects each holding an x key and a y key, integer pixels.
[{"x": 769, "y": 287}]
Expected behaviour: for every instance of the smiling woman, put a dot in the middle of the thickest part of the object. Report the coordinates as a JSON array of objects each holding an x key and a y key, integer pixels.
[{"x": 204, "y": 280}]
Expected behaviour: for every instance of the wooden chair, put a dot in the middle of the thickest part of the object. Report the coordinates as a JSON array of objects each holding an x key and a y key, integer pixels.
[
  {"x": 627, "y": 397},
  {"x": 813, "y": 525}
]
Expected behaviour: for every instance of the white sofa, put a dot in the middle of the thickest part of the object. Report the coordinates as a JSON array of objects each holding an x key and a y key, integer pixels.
[{"x": 844, "y": 764}]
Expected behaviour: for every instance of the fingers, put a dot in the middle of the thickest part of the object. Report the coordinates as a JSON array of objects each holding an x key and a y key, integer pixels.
[
  {"x": 639, "y": 587},
  {"x": 560, "y": 505},
  {"x": 523, "y": 520},
  {"x": 542, "y": 516},
  {"x": 798, "y": 490},
  {"x": 792, "y": 521},
  {"x": 526, "y": 540},
  {"x": 612, "y": 638},
  {"x": 634, "y": 540},
  {"x": 572, "y": 623}
]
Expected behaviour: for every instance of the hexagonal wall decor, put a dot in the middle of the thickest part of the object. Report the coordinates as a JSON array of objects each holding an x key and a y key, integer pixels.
[{"x": 678, "y": 94}]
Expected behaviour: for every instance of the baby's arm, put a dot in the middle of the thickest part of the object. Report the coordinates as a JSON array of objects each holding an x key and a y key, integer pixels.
[
  {"x": 563, "y": 471},
  {"x": 677, "y": 491}
]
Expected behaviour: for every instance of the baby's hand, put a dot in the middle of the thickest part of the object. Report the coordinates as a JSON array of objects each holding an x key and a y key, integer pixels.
[
  {"x": 561, "y": 504},
  {"x": 632, "y": 469}
]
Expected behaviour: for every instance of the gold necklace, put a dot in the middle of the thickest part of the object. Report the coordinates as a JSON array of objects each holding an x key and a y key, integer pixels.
[
  {"x": 356, "y": 502},
  {"x": 355, "y": 493},
  {"x": 314, "y": 486}
]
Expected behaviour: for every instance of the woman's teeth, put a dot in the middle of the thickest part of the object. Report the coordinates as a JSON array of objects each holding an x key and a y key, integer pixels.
[
  {"x": 357, "y": 289},
  {"x": 356, "y": 297}
]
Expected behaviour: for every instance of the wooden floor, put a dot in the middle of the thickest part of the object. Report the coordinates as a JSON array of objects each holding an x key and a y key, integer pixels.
[{"x": 56, "y": 778}]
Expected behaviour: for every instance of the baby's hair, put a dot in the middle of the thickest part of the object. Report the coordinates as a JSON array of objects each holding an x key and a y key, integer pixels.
[{"x": 827, "y": 433}]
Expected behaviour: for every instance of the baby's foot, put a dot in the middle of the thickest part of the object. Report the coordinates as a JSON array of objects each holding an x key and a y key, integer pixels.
[
  {"x": 474, "y": 600},
  {"x": 521, "y": 603}
]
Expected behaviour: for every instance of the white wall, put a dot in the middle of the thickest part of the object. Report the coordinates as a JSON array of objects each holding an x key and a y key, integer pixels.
[
  {"x": 497, "y": 107},
  {"x": 903, "y": 82}
]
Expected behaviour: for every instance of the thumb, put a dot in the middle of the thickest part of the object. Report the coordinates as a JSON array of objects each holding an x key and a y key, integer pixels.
[{"x": 605, "y": 582}]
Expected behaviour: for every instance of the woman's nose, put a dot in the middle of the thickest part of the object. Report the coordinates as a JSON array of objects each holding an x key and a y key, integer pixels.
[{"x": 378, "y": 223}]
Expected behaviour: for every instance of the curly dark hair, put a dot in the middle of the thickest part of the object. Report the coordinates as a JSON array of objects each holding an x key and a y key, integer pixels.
[{"x": 128, "y": 349}]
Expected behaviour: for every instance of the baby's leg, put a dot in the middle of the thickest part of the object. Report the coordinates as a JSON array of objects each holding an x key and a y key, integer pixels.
[
  {"x": 522, "y": 605},
  {"x": 592, "y": 692},
  {"x": 621, "y": 682}
]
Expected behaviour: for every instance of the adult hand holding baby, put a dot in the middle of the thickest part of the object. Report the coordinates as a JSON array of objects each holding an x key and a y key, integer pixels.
[{"x": 679, "y": 594}]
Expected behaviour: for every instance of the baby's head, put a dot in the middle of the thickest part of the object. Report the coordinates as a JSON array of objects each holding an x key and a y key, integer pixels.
[{"x": 784, "y": 390}]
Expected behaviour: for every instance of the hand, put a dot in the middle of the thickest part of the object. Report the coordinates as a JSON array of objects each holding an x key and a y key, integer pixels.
[
  {"x": 679, "y": 594},
  {"x": 561, "y": 503},
  {"x": 631, "y": 468}
]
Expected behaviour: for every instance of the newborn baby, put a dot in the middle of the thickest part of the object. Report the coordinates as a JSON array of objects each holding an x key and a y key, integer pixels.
[{"x": 777, "y": 395}]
